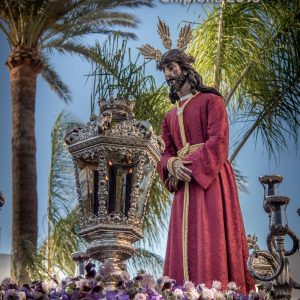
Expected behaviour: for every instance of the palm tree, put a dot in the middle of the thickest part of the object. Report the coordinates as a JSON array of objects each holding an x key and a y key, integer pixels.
[
  {"x": 34, "y": 29},
  {"x": 250, "y": 51}
]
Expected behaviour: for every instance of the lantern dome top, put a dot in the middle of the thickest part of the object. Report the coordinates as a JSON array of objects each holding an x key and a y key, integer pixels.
[
  {"x": 116, "y": 121},
  {"x": 120, "y": 108}
]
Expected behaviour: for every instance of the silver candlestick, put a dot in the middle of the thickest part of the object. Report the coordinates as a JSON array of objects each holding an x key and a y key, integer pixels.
[{"x": 276, "y": 258}]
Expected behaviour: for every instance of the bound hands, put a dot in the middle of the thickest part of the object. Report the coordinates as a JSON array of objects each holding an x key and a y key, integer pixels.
[{"x": 180, "y": 173}]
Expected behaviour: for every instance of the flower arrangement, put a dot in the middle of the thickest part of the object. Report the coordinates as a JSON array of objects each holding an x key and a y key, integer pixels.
[{"x": 141, "y": 287}]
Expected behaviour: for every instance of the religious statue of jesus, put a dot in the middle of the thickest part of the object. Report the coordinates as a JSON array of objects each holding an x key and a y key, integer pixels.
[{"x": 206, "y": 237}]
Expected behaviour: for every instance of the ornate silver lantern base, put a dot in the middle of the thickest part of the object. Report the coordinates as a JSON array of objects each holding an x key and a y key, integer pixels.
[{"x": 115, "y": 244}]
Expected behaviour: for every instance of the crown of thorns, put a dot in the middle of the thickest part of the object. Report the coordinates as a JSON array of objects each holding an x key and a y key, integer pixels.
[{"x": 163, "y": 30}]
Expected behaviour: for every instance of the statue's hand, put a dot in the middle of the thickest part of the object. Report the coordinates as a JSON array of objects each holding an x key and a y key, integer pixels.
[
  {"x": 181, "y": 172},
  {"x": 172, "y": 183}
]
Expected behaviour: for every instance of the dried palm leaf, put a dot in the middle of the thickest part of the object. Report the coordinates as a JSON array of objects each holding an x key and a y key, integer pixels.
[
  {"x": 164, "y": 34},
  {"x": 149, "y": 52},
  {"x": 185, "y": 36}
]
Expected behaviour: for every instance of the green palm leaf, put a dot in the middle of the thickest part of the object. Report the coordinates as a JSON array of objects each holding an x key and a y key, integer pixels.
[
  {"x": 54, "y": 253},
  {"x": 258, "y": 63}
]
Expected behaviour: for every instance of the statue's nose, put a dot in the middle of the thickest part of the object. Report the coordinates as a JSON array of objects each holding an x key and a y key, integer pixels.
[{"x": 167, "y": 74}]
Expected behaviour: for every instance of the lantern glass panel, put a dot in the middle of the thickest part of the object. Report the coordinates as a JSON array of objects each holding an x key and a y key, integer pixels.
[
  {"x": 120, "y": 181},
  {"x": 144, "y": 186},
  {"x": 88, "y": 180}
]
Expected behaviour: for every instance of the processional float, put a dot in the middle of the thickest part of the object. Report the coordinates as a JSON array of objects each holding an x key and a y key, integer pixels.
[{"x": 114, "y": 157}]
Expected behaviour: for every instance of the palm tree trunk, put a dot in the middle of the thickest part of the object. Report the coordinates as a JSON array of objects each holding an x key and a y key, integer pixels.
[{"x": 23, "y": 74}]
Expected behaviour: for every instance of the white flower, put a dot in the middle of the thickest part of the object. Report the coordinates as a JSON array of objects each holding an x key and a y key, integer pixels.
[
  {"x": 188, "y": 285},
  {"x": 140, "y": 296},
  {"x": 229, "y": 295},
  {"x": 195, "y": 294},
  {"x": 178, "y": 293},
  {"x": 219, "y": 295},
  {"x": 201, "y": 286},
  {"x": 216, "y": 285},
  {"x": 232, "y": 286},
  {"x": 22, "y": 295},
  {"x": 207, "y": 294}
]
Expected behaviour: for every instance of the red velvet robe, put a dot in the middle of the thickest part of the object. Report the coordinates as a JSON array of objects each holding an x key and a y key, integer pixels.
[{"x": 217, "y": 247}]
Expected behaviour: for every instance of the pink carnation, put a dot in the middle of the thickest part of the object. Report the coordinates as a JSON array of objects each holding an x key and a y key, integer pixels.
[{"x": 140, "y": 296}]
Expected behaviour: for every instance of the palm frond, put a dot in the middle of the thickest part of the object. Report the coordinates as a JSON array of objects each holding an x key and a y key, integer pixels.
[
  {"x": 69, "y": 47},
  {"x": 62, "y": 222},
  {"x": 241, "y": 180},
  {"x": 30, "y": 22},
  {"x": 55, "y": 82},
  {"x": 259, "y": 61},
  {"x": 116, "y": 73}
]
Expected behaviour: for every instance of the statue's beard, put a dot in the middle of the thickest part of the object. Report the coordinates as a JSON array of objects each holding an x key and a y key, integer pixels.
[{"x": 175, "y": 84}]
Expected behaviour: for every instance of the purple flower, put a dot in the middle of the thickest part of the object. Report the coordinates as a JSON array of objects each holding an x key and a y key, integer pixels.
[
  {"x": 122, "y": 296},
  {"x": 110, "y": 295}
]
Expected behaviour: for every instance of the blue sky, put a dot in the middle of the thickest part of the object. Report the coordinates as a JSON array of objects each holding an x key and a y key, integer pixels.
[{"x": 252, "y": 161}]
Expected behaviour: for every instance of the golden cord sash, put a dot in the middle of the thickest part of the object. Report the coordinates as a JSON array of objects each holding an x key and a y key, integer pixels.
[{"x": 186, "y": 149}]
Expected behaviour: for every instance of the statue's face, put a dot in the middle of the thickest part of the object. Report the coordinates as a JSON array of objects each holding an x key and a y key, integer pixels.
[
  {"x": 171, "y": 71},
  {"x": 174, "y": 76}
]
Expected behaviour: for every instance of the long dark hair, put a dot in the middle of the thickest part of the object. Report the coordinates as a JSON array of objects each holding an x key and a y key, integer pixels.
[{"x": 193, "y": 77}]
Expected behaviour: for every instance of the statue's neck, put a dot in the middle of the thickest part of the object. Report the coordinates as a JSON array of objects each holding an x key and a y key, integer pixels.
[{"x": 185, "y": 90}]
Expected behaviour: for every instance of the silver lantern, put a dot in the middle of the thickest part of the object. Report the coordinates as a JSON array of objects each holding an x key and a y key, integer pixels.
[{"x": 114, "y": 157}]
